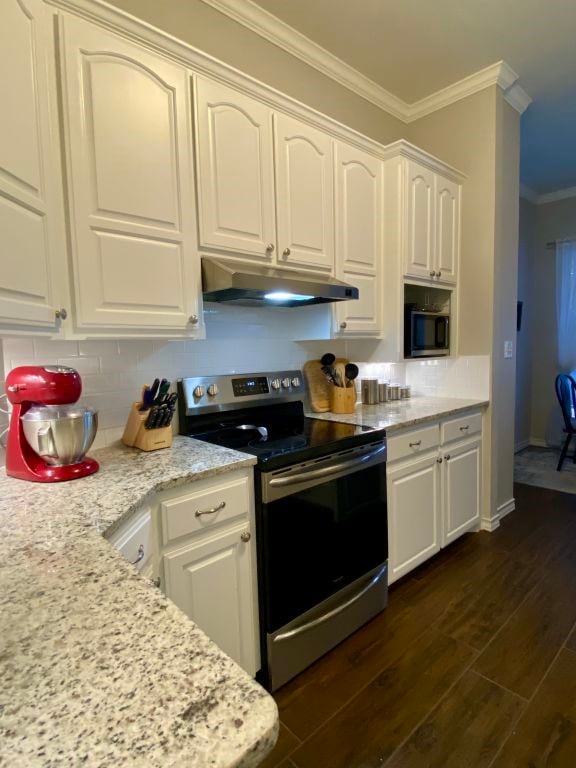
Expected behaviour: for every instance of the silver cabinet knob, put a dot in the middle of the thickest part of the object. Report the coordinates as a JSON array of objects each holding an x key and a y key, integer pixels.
[
  {"x": 286, "y": 252},
  {"x": 438, "y": 274},
  {"x": 198, "y": 391},
  {"x": 439, "y": 460},
  {"x": 447, "y": 457},
  {"x": 343, "y": 326},
  {"x": 433, "y": 273},
  {"x": 193, "y": 319},
  {"x": 61, "y": 314},
  {"x": 213, "y": 390},
  {"x": 270, "y": 247},
  {"x": 245, "y": 536}
]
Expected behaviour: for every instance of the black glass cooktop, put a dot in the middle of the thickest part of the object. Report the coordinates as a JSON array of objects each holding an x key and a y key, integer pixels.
[{"x": 282, "y": 435}]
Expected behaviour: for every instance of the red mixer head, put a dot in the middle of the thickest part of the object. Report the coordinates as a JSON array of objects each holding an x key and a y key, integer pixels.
[{"x": 51, "y": 385}]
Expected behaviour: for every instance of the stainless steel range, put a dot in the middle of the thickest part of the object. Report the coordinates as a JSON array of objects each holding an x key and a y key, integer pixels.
[{"x": 321, "y": 522}]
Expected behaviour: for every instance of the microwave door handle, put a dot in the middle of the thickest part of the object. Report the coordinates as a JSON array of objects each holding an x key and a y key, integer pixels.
[{"x": 440, "y": 340}]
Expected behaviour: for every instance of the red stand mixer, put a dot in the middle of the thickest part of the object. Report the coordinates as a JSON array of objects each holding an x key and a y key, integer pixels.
[{"x": 48, "y": 437}]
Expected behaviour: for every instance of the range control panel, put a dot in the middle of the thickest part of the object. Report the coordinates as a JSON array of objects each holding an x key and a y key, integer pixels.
[{"x": 239, "y": 390}]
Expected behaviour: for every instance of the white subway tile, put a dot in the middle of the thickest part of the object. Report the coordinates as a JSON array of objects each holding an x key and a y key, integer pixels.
[
  {"x": 98, "y": 347},
  {"x": 81, "y": 364},
  {"x": 53, "y": 348}
]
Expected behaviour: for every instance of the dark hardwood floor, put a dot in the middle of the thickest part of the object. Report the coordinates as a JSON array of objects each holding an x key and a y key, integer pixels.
[{"x": 472, "y": 665}]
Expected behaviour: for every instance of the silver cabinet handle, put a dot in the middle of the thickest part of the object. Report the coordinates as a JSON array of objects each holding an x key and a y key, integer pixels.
[
  {"x": 465, "y": 429},
  {"x": 433, "y": 273},
  {"x": 245, "y": 536},
  {"x": 438, "y": 274},
  {"x": 447, "y": 457},
  {"x": 211, "y": 511},
  {"x": 286, "y": 252},
  {"x": 139, "y": 556},
  {"x": 157, "y": 581},
  {"x": 343, "y": 326},
  {"x": 193, "y": 319},
  {"x": 270, "y": 247},
  {"x": 439, "y": 460},
  {"x": 417, "y": 444}
]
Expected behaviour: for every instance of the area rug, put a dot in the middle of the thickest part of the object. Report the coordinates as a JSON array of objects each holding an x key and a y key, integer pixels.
[{"x": 537, "y": 466}]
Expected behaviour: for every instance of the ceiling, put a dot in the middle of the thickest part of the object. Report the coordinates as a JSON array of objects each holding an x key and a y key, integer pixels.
[{"x": 413, "y": 48}]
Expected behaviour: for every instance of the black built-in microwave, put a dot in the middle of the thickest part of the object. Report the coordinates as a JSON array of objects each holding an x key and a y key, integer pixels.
[{"x": 426, "y": 333}]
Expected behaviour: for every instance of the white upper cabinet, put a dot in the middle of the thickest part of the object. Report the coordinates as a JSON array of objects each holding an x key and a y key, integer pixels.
[
  {"x": 128, "y": 120},
  {"x": 304, "y": 195},
  {"x": 30, "y": 204},
  {"x": 358, "y": 187},
  {"x": 235, "y": 171},
  {"x": 420, "y": 220},
  {"x": 447, "y": 229}
]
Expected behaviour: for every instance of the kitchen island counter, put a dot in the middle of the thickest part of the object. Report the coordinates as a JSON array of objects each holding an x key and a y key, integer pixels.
[
  {"x": 400, "y": 414},
  {"x": 98, "y": 667}
]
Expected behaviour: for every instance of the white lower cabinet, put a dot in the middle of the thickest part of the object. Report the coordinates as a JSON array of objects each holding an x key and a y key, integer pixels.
[
  {"x": 461, "y": 487},
  {"x": 434, "y": 496},
  {"x": 209, "y": 567},
  {"x": 413, "y": 515},
  {"x": 210, "y": 579}
]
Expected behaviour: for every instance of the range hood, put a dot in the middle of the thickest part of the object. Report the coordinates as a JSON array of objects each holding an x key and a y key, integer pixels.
[{"x": 255, "y": 285}]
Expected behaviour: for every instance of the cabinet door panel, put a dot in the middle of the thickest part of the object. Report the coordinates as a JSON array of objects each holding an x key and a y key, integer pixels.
[
  {"x": 360, "y": 316},
  {"x": 420, "y": 205},
  {"x": 30, "y": 212},
  {"x": 128, "y": 119},
  {"x": 210, "y": 579},
  {"x": 235, "y": 169},
  {"x": 462, "y": 489},
  {"x": 447, "y": 229},
  {"x": 304, "y": 195},
  {"x": 413, "y": 515}
]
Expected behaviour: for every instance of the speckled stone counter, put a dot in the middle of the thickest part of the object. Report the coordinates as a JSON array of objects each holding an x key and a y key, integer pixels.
[
  {"x": 97, "y": 667},
  {"x": 399, "y": 414}
]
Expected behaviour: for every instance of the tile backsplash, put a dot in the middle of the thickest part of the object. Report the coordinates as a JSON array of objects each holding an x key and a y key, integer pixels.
[{"x": 113, "y": 372}]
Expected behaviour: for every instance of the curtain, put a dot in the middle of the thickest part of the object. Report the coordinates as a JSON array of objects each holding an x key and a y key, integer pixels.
[{"x": 566, "y": 304}]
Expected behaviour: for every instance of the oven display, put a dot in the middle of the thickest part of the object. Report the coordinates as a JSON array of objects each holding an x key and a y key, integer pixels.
[{"x": 254, "y": 386}]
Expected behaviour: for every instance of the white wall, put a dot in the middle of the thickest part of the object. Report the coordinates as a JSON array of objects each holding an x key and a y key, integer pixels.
[{"x": 524, "y": 346}]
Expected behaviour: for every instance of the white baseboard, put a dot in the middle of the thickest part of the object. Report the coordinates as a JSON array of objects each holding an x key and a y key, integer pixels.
[
  {"x": 506, "y": 508},
  {"x": 538, "y": 442},
  {"x": 490, "y": 525},
  {"x": 521, "y": 445}
]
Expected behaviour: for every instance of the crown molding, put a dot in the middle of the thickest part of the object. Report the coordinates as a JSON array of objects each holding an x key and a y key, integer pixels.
[
  {"x": 403, "y": 148},
  {"x": 284, "y": 36},
  {"x": 277, "y": 32},
  {"x": 560, "y": 194},
  {"x": 517, "y": 97}
]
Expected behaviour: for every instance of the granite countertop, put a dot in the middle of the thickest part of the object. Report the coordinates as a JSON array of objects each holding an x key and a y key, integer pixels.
[
  {"x": 399, "y": 414},
  {"x": 97, "y": 667}
]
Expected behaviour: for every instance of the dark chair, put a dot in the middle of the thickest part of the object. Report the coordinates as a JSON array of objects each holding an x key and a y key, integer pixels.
[{"x": 566, "y": 394}]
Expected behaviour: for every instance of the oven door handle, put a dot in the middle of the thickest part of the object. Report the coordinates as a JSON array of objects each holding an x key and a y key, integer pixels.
[
  {"x": 333, "y": 469},
  {"x": 334, "y": 612}
]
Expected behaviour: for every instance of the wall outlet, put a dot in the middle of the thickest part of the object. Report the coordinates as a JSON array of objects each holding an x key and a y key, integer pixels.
[{"x": 508, "y": 349}]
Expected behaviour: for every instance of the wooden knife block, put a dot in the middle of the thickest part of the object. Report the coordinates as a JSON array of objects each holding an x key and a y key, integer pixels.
[{"x": 136, "y": 435}]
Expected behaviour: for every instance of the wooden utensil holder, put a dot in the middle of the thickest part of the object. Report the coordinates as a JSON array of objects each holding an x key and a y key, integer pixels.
[
  {"x": 343, "y": 399},
  {"x": 136, "y": 435}
]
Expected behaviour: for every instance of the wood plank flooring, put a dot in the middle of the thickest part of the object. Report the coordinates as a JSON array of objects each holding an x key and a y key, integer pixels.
[{"x": 472, "y": 665}]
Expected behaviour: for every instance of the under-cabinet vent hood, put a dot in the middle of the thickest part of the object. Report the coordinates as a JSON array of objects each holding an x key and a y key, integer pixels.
[{"x": 255, "y": 285}]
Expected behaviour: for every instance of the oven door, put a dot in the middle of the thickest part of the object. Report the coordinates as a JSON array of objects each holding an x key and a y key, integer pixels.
[{"x": 323, "y": 547}]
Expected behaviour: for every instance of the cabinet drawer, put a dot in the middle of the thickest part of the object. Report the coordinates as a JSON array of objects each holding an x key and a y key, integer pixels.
[
  {"x": 134, "y": 540},
  {"x": 413, "y": 443},
  {"x": 463, "y": 426},
  {"x": 205, "y": 505}
]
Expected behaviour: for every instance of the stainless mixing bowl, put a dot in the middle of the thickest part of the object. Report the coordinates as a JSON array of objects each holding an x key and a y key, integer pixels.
[{"x": 60, "y": 434}]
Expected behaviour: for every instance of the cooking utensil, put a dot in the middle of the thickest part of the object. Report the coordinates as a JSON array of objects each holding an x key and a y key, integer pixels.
[
  {"x": 60, "y": 434},
  {"x": 339, "y": 373},
  {"x": 351, "y": 371},
  {"x": 328, "y": 359}
]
